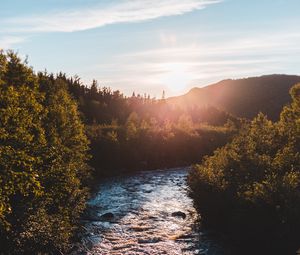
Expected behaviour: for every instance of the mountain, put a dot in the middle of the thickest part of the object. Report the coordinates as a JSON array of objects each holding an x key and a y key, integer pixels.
[{"x": 242, "y": 97}]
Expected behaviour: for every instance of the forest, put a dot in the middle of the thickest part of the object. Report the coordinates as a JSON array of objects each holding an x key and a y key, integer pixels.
[
  {"x": 139, "y": 132},
  {"x": 60, "y": 137}
]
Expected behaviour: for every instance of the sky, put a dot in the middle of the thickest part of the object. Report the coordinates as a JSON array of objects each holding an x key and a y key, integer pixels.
[{"x": 150, "y": 46}]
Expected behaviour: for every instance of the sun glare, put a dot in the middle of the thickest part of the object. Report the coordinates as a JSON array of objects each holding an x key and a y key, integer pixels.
[{"x": 176, "y": 77}]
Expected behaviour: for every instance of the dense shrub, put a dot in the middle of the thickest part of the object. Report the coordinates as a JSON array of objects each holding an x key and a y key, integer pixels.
[
  {"x": 251, "y": 187},
  {"x": 147, "y": 144},
  {"x": 43, "y": 150}
]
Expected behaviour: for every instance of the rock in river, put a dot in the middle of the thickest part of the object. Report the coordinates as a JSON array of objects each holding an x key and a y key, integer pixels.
[
  {"x": 107, "y": 216},
  {"x": 179, "y": 214}
]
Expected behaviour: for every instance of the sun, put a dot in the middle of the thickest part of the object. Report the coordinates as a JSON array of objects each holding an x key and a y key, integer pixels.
[{"x": 176, "y": 77}]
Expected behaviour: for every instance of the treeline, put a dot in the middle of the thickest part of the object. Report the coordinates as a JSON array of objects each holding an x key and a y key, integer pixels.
[
  {"x": 43, "y": 154},
  {"x": 101, "y": 105},
  {"x": 140, "y": 132},
  {"x": 250, "y": 188},
  {"x": 141, "y": 144}
]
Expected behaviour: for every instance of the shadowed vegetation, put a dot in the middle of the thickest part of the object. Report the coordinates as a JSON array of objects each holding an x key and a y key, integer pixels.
[
  {"x": 140, "y": 132},
  {"x": 250, "y": 188}
]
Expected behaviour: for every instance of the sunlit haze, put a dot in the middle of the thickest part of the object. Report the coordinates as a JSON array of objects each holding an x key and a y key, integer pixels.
[{"x": 150, "y": 46}]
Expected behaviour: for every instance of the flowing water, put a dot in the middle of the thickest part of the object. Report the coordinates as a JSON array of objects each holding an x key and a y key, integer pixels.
[{"x": 145, "y": 213}]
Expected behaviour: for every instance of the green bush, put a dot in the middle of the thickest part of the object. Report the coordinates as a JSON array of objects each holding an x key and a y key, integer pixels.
[
  {"x": 251, "y": 186},
  {"x": 43, "y": 150}
]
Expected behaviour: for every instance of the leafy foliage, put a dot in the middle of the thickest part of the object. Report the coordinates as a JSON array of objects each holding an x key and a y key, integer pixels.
[
  {"x": 43, "y": 150},
  {"x": 252, "y": 185}
]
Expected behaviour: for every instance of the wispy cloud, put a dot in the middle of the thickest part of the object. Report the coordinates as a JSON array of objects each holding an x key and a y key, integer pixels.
[
  {"x": 199, "y": 64},
  {"x": 7, "y": 42},
  {"x": 117, "y": 12}
]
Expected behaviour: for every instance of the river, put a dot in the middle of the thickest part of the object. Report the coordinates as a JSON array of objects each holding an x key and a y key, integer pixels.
[{"x": 146, "y": 213}]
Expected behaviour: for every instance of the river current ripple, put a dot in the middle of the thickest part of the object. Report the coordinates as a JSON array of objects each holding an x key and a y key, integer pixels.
[{"x": 134, "y": 215}]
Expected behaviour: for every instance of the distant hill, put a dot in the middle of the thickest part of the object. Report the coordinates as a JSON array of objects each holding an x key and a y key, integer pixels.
[{"x": 242, "y": 97}]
